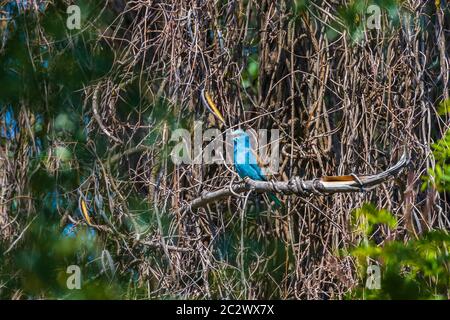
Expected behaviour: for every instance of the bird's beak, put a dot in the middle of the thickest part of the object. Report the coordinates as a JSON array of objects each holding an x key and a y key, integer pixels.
[{"x": 211, "y": 106}]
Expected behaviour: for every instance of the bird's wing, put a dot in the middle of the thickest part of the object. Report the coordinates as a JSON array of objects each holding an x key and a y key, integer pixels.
[
  {"x": 246, "y": 164},
  {"x": 258, "y": 171},
  {"x": 257, "y": 164}
]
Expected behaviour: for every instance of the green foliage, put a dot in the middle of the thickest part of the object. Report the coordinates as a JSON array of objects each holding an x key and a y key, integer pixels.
[
  {"x": 444, "y": 107},
  {"x": 251, "y": 73},
  {"x": 416, "y": 269},
  {"x": 439, "y": 176},
  {"x": 43, "y": 66},
  {"x": 42, "y": 259},
  {"x": 353, "y": 17},
  {"x": 29, "y": 67},
  {"x": 300, "y": 6},
  {"x": 368, "y": 217}
]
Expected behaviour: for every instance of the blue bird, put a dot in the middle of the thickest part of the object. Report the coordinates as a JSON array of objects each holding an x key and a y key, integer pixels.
[{"x": 245, "y": 161}]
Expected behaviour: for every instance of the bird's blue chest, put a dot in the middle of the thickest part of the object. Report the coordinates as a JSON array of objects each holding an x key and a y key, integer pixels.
[{"x": 245, "y": 161}]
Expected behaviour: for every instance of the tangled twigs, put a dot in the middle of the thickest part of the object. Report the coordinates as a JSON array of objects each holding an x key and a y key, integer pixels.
[
  {"x": 97, "y": 116},
  {"x": 297, "y": 186},
  {"x": 342, "y": 96}
]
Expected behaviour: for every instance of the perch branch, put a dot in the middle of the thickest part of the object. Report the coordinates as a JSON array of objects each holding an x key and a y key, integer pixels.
[{"x": 298, "y": 186}]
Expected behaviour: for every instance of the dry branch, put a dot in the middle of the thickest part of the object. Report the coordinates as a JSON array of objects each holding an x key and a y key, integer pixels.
[
  {"x": 339, "y": 104},
  {"x": 298, "y": 186}
]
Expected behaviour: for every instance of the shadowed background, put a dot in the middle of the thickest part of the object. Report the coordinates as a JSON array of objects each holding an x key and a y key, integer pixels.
[{"x": 91, "y": 111}]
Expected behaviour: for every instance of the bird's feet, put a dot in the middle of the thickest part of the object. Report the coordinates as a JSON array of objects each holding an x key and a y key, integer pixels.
[{"x": 248, "y": 182}]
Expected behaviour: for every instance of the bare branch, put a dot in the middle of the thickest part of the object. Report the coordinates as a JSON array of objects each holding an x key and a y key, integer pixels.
[{"x": 298, "y": 186}]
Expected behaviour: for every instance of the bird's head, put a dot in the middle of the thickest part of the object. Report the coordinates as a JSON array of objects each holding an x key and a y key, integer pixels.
[
  {"x": 240, "y": 137},
  {"x": 238, "y": 134}
]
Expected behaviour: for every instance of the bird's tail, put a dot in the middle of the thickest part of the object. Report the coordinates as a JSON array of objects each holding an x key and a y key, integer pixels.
[{"x": 277, "y": 202}]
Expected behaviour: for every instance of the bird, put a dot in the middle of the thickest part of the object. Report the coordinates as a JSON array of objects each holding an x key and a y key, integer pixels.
[{"x": 245, "y": 162}]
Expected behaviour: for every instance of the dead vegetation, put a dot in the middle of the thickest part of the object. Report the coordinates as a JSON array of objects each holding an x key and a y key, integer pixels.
[{"x": 343, "y": 105}]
